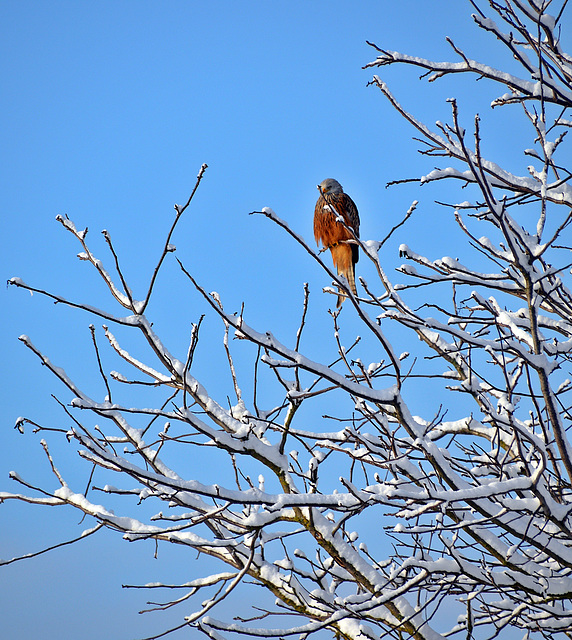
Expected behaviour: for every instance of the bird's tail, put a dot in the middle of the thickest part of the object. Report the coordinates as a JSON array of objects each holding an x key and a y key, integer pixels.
[{"x": 350, "y": 276}]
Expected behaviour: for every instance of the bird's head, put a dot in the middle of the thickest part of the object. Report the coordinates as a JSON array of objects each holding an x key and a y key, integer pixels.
[{"x": 330, "y": 186}]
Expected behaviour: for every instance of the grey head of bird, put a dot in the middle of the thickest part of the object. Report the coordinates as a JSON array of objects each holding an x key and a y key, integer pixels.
[{"x": 330, "y": 186}]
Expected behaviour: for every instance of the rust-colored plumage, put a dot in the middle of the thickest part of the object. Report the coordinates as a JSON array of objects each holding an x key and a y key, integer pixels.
[{"x": 334, "y": 203}]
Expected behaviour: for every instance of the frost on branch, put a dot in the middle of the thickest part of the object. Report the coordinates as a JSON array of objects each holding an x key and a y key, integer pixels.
[{"x": 358, "y": 515}]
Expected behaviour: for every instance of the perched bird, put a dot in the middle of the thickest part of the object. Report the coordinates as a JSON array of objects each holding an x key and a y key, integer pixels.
[{"x": 334, "y": 203}]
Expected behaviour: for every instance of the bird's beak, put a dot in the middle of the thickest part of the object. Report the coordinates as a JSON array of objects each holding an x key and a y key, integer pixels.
[{"x": 320, "y": 189}]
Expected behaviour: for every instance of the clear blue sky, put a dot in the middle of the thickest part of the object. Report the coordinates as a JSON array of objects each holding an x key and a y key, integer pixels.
[{"x": 108, "y": 111}]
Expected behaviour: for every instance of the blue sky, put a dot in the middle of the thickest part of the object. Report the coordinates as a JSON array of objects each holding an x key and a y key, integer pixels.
[{"x": 109, "y": 110}]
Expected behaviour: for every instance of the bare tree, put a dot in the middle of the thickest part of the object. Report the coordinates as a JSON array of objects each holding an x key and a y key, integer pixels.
[{"x": 480, "y": 506}]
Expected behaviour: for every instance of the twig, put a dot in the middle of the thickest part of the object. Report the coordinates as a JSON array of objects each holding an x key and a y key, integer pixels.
[
  {"x": 167, "y": 248},
  {"x": 92, "y": 329},
  {"x": 85, "y": 534}
]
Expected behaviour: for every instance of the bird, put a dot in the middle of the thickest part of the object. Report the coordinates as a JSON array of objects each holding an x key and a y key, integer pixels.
[{"x": 333, "y": 203}]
